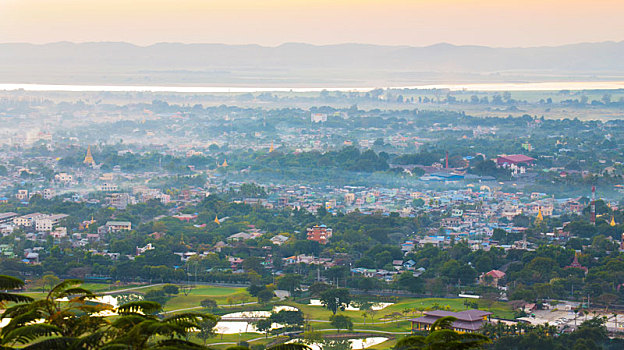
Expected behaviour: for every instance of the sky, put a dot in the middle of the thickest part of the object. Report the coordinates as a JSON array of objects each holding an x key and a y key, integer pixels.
[{"x": 500, "y": 23}]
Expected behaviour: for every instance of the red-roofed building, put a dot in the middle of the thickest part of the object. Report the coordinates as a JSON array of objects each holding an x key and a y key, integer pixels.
[
  {"x": 186, "y": 217},
  {"x": 496, "y": 276},
  {"x": 319, "y": 234},
  {"x": 516, "y": 159}
]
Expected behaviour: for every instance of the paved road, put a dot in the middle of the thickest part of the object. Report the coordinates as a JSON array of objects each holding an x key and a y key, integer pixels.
[
  {"x": 354, "y": 330},
  {"x": 131, "y": 289}
]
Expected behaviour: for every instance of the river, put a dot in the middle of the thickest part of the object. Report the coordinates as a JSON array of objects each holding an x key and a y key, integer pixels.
[{"x": 539, "y": 86}]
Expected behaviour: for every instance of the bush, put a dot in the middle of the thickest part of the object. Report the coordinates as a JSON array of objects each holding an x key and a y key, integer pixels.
[
  {"x": 208, "y": 304},
  {"x": 171, "y": 289},
  {"x": 157, "y": 295}
]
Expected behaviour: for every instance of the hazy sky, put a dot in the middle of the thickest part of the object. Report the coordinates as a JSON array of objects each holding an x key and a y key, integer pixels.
[{"x": 272, "y": 22}]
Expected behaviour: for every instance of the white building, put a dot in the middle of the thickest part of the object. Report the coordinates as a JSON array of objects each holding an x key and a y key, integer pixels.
[
  {"x": 28, "y": 219},
  {"x": 318, "y": 117},
  {"x": 107, "y": 187},
  {"x": 64, "y": 178},
  {"x": 49, "y": 193},
  {"x": 22, "y": 195},
  {"x": 46, "y": 223}
]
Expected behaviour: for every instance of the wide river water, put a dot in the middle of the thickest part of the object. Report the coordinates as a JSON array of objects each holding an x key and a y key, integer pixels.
[{"x": 543, "y": 86}]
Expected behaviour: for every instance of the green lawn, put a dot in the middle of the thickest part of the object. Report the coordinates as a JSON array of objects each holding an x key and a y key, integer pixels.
[
  {"x": 222, "y": 295},
  {"x": 320, "y": 313}
]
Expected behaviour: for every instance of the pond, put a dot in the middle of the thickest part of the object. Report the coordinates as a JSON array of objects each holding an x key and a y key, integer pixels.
[
  {"x": 355, "y": 344},
  {"x": 232, "y": 327},
  {"x": 375, "y": 306}
]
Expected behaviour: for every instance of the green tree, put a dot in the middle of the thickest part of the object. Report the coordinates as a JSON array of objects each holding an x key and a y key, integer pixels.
[
  {"x": 170, "y": 289},
  {"x": 317, "y": 288},
  {"x": 341, "y": 322},
  {"x": 336, "y": 299},
  {"x": 292, "y": 318},
  {"x": 65, "y": 325},
  {"x": 289, "y": 282},
  {"x": 265, "y": 295},
  {"x": 11, "y": 283},
  {"x": 208, "y": 304},
  {"x": 264, "y": 325},
  {"x": 139, "y": 328},
  {"x": 207, "y": 324}
]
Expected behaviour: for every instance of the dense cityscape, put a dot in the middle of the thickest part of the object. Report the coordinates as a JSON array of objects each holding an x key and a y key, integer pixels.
[{"x": 515, "y": 215}]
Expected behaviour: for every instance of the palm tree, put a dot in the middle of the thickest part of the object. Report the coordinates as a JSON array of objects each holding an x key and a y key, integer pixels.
[
  {"x": 11, "y": 283},
  {"x": 65, "y": 319},
  {"x": 442, "y": 336},
  {"x": 290, "y": 346},
  {"x": 139, "y": 328},
  {"x": 66, "y": 315}
]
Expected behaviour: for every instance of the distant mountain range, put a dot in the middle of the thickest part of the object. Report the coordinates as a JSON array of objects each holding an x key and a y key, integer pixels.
[{"x": 297, "y": 64}]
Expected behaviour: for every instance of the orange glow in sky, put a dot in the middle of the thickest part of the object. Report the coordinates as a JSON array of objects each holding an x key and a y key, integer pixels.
[{"x": 273, "y": 22}]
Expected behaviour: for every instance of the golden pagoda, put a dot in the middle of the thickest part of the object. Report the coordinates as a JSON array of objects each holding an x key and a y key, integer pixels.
[
  {"x": 216, "y": 220},
  {"x": 182, "y": 242},
  {"x": 271, "y": 149},
  {"x": 89, "y": 158},
  {"x": 612, "y": 223},
  {"x": 90, "y": 222},
  {"x": 539, "y": 217},
  {"x": 224, "y": 163}
]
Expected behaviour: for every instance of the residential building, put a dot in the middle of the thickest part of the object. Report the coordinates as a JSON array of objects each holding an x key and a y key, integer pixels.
[
  {"x": 279, "y": 239},
  {"x": 28, "y": 219},
  {"x": 22, "y": 195},
  {"x": 49, "y": 193},
  {"x": 7, "y": 217},
  {"x": 116, "y": 226},
  {"x": 47, "y": 222},
  {"x": 467, "y": 321},
  {"x": 64, "y": 178},
  {"x": 492, "y": 279}
]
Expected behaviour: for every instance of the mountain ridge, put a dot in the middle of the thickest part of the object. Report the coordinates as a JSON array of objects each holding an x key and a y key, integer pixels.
[{"x": 302, "y": 63}]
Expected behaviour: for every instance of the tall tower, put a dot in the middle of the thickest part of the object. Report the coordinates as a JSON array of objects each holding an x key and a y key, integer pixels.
[
  {"x": 89, "y": 158},
  {"x": 592, "y": 208},
  {"x": 539, "y": 217},
  {"x": 446, "y": 159}
]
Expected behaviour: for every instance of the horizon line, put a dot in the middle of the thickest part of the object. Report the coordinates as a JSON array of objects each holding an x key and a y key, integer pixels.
[{"x": 308, "y": 44}]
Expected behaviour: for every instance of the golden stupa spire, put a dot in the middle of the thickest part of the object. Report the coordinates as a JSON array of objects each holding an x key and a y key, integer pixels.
[
  {"x": 612, "y": 223},
  {"x": 216, "y": 220},
  {"x": 539, "y": 217},
  {"x": 89, "y": 158},
  {"x": 271, "y": 149},
  {"x": 224, "y": 163}
]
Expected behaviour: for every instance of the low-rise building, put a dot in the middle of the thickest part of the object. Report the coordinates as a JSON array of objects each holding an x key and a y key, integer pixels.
[
  {"x": 47, "y": 222},
  {"x": 7, "y": 217},
  {"x": 28, "y": 219},
  {"x": 467, "y": 321},
  {"x": 116, "y": 226}
]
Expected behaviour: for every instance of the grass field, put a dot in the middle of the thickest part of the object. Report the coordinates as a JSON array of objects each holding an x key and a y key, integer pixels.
[
  {"x": 222, "y": 295},
  {"x": 318, "y": 316}
]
